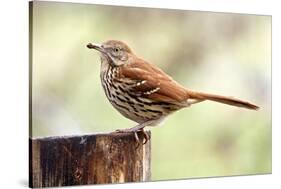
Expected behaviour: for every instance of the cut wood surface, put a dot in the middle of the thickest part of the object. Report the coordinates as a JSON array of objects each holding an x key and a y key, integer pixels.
[{"x": 88, "y": 159}]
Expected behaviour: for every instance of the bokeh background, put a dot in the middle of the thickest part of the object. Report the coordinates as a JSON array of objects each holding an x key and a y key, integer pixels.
[{"x": 228, "y": 54}]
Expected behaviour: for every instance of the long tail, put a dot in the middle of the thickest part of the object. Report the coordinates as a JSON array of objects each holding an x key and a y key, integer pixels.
[{"x": 221, "y": 99}]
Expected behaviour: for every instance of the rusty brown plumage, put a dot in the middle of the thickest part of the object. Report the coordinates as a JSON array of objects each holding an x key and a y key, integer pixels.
[
  {"x": 169, "y": 90},
  {"x": 144, "y": 93}
]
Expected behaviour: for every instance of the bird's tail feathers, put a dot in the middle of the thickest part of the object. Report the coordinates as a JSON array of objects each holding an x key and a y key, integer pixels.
[{"x": 221, "y": 99}]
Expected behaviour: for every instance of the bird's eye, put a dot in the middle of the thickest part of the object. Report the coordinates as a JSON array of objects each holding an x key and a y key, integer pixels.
[{"x": 116, "y": 50}]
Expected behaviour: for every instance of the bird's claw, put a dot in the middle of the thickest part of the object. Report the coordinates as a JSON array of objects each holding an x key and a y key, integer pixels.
[{"x": 145, "y": 135}]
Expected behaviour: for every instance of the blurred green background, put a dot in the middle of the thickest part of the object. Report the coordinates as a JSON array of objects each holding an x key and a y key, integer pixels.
[{"x": 228, "y": 54}]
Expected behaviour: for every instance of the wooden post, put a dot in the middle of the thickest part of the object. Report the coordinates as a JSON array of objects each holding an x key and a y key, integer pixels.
[{"x": 88, "y": 159}]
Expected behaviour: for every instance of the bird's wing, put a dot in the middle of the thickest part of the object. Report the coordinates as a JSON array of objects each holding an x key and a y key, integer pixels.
[{"x": 152, "y": 83}]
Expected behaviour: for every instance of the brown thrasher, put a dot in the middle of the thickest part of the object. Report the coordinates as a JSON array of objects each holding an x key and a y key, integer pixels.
[{"x": 144, "y": 93}]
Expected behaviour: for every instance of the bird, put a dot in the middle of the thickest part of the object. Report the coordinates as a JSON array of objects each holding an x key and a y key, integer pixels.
[{"x": 144, "y": 93}]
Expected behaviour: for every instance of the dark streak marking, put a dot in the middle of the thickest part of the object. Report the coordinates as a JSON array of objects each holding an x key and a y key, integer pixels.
[
  {"x": 136, "y": 110},
  {"x": 121, "y": 99},
  {"x": 143, "y": 110},
  {"x": 127, "y": 98},
  {"x": 107, "y": 88},
  {"x": 154, "y": 111},
  {"x": 120, "y": 105},
  {"x": 112, "y": 85},
  {"x": 134, "y": 97},
  {"x": 121, "y": 89},
  {"x": 159, "y": 103},
  {"x": 141, "y": 105}
]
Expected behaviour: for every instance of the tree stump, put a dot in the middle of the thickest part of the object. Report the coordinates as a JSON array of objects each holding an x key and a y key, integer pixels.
[{"x": 88, "y": 159}]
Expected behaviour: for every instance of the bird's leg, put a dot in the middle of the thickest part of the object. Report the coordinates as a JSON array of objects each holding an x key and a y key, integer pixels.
[
  {"x": 145, "y": 135},
  {"x": 133, "y": 129},
  {"x": 136, "y": 129},
  {"x": 137, "y": 137}
]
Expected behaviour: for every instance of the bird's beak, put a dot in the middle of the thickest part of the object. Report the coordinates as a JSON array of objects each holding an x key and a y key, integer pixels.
[{"x": 96, "y": 46}]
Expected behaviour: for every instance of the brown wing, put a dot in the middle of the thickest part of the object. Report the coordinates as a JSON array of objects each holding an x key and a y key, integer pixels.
[{"x": 153, "y": 83}]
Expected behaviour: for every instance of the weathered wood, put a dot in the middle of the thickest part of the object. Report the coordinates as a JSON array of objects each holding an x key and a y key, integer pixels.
[{"x": 88, "y": 159}]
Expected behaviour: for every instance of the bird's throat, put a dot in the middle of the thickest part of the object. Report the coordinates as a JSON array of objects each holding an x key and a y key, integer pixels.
[{"x": 106, "y": 59}]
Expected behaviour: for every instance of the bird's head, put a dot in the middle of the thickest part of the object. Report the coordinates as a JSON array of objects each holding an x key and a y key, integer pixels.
[{"x": 116, "y": 53}]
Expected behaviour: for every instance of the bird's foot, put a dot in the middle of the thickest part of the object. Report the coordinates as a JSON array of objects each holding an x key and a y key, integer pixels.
[{"x": 136, "y": 131}]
